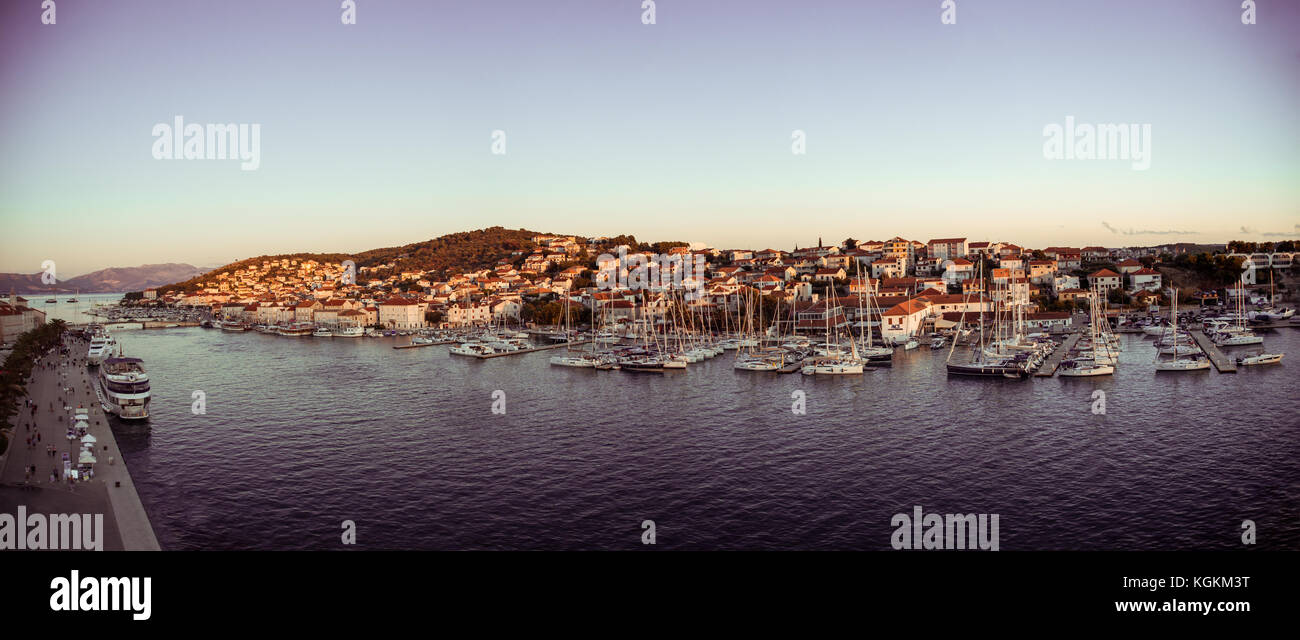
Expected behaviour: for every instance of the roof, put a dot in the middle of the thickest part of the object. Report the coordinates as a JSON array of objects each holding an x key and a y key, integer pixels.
[{"x": 1103, "y": 273}]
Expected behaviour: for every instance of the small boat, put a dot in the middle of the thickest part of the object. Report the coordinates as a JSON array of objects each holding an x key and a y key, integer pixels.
[
  {"x": 910, "y": 344},
  {"x": 1183, "y": 364},
  {"x": 349, "y": 332},
  {"x": 939, "y": 343},
  {"x": 322, "y": 332},
  {"x": 1262, "y": 358},
  {"x": 1081, "y": 369},
  {"x": 51, "y": 301},
  {"x": 477, "y": 349},
  {"x": 574, "y": 361}
]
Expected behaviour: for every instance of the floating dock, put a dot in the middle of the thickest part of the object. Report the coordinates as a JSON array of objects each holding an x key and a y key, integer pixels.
[
  {"x": 1054, "y": 361},
  {"x": 1220, "y": 361}
]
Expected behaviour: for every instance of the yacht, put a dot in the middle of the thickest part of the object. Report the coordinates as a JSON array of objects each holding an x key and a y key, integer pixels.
[
  {"x": 1262, "y": 358},
  {"x": 101, "y": 347},
  {"x": 574, "y": 361},
  {"x": 322, "y": 332},
  {"x": 124, "y": 388},
  {"x": 472, "y": 349},
  {"x": 832, "y": 366},
  {"x": 910, "y": 344},
  {"x": 349, "y": 332},
  {"x": 233, "y": 325}
]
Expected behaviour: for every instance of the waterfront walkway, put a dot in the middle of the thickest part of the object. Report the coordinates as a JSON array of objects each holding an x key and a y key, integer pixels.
[
  {"x": 1220, "y": 361},
  {"x": 62, "y": 382}
]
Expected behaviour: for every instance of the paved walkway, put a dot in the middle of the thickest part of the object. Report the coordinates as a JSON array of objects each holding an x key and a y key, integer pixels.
[{"x": 60, "y": 387}]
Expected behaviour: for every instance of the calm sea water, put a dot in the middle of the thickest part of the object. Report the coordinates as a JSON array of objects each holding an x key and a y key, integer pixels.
[
  {"x": 71, "y": 312},
  {"x": 302, "y": 434}
]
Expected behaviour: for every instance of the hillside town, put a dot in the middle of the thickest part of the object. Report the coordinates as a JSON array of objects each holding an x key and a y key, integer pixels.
[{"x": 915, "y": 287}]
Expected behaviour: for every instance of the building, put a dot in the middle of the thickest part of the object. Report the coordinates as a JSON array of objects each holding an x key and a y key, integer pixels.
[
  {"x": 948, "y": 248},
  {"x": 1105, "y": 279},
  {"x": 401, "y": 313}
]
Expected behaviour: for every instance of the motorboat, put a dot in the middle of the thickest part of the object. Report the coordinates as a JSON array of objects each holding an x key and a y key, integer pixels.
[{"x": 1262, "y": 358}]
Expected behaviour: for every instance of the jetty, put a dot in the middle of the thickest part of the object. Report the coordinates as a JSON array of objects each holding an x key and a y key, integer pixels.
[
  {"x": 61, "y": 387},
  {"x": 1053, "y": 362},
  {"x": 544, "y": 347},
  {"x": 1220, "y": 361},
  {"x": 425, "y": 344}
]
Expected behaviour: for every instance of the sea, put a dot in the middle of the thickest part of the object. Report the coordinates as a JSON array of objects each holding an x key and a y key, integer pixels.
[{"x": 268, "y": 442}]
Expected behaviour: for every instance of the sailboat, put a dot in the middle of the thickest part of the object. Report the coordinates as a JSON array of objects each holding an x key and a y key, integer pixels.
[
  {"x": 986, "y": 361},
  {"x": 1236, "y": 334},
  {"x": 569, "y": 359},
  {"x": 1096, "y": 359},
  {"x": 875, "y": 356},
  {"x": 1178, "y": 363},
  {"x": 837, "y": 363}
]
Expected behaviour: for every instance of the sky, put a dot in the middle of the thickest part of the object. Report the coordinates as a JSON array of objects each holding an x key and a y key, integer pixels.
[{"x": 380, "y": 133}]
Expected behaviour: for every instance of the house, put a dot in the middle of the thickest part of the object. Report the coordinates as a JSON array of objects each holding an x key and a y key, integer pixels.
[
  {"x": 1144, "y": 280},
  {"x": 401, "y": 313},
  {"x": 959, "y": 270},
  {"x": 1128, "y": 266},
  {"x": 468, "y": 314},
  {"x": 1105, "y": 279},
  {"x": 947, "y": 248},
  {"x": 903, "y": 321}
]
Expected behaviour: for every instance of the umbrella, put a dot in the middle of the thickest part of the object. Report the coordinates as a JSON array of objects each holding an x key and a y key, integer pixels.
[
  {"x": 89, "y": 438},
  {"x": 81, "y": 425},
  {"x": 86, "y": 458}
]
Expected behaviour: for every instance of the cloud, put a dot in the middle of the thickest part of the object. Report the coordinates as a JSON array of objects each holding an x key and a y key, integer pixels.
[
  {"x": 1245, "y": 229},
  {"x": 1147, "y": 232},
  {"x": 1274, "y": 234}
]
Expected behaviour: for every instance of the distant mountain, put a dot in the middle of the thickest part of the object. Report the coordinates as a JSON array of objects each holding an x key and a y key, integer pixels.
[{"x": 111, "y": 280}]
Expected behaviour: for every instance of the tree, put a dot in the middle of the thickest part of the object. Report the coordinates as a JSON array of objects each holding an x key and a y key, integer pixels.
[{"x": 850, "y": 243}]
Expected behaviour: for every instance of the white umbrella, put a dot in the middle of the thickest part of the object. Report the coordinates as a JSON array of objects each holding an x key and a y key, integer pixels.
[
  {"x": 86, "y": 458},
  {"x": 89, "y": 438},
  {"x": 82, "y": 424}
]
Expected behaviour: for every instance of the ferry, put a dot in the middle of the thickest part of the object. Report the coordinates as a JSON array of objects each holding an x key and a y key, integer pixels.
[
  {"x": 349, "y": 332},
  {"x": 295, "y": 330},
  {"x": 124, "y": 388},
  {"x": 231, "y": 325},
  {"x": 472, "y": 349}
]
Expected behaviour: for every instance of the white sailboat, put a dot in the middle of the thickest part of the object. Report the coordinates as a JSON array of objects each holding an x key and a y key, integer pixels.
[{"x": 1178, "y": 363}]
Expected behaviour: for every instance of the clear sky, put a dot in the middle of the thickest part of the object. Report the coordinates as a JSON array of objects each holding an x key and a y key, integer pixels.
[{"x": 379, "y": 133}]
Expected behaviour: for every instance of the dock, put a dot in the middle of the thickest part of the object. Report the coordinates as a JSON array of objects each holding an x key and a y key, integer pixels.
[
  {"x": 1220, "y": 361},
  {"x": 544, "y": 347},
  {"x": 1053, "y": 361},
  {"x": 426, "y": 344}
]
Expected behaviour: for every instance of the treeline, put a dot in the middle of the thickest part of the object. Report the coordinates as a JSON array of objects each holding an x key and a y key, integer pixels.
[
  {"x": 1241, "y": 246},
  {"x": 18, "y": 367},
  {"x": 456, "y": 252}
]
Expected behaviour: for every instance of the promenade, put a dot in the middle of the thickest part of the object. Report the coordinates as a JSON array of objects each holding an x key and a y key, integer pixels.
[{"x": 60, "y": 386}]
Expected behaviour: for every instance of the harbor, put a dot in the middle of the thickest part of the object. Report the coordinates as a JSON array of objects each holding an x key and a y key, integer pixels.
[{"x": 1053, "y": 362}]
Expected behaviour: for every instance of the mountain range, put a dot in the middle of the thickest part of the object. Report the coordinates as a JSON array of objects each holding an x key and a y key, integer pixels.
[{"x": 111, "y": 280}]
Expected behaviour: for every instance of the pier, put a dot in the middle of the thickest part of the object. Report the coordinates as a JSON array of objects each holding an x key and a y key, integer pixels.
[
  {"x": 63, "y": 381},
  {"x": 1220, "y": 361},
  {"x": 426, "y": 344},
  {"x": 1053, "y": 361},
  {"x": 544, "y": 347}
]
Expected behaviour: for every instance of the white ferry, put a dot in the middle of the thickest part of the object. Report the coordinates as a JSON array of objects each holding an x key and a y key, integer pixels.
[
  {"x": 349, "y": 332},
  {"x": 124, "y": 388}
]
